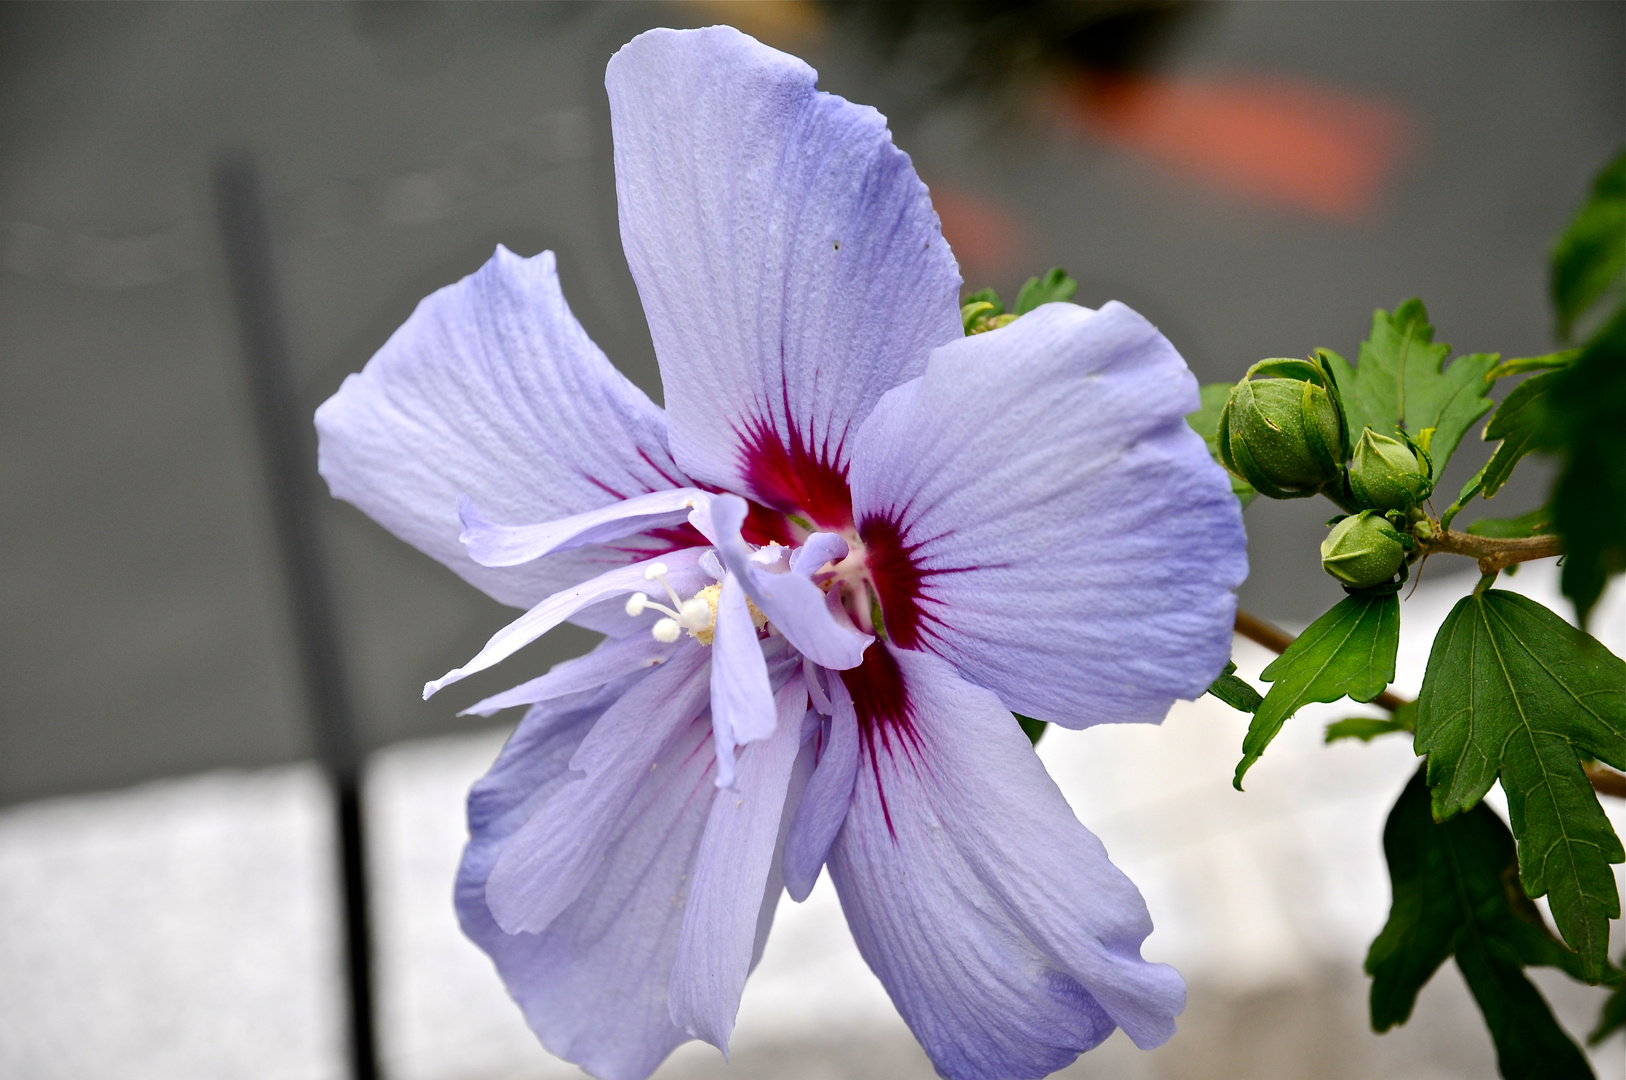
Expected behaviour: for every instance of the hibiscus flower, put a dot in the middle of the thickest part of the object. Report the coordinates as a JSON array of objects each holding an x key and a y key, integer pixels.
[{"x": 851, "y": 546}]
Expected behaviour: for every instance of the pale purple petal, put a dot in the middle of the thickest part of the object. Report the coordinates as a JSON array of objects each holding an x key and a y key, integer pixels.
[
  {"x": 795, "y": 606},
  {"x": 742, "y": 702},
  {"x": 683, "y": 571},
  {"x": 549, "y": 860},
  {"x": 790, "y": 263},
  {"x": 492, "y": 389},
  {"x": 811, "y": 674},
  {"x": 1007, "y": 939},
  {"x": 731, "y": 874},
  {"x": 612, "y": 659},
  {"x": 824, "y": 804},
  {"x": 533, "y": 764},
  {"x": 593, "y": 983},
  {"x": 490, "y": 544},
  {"x": 1036, "y": 510},
  {"x": 816, "y": 550}
]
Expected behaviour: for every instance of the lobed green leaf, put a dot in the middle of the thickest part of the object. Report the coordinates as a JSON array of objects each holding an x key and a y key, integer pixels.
[
  {"x": 1521, "y": 423},
  {"x": 1513, "y": 692},
  {"x": 1053, "y": 287},
  {"x": 1402, "y": 383},
  {"x": 1589, "y": 259},
  {"x": 1523, "y": 365},
  {"x": 1349, "y": 651},
  {"x": 1612, "y": 1017},
  {"x": 1586, "y": 421},
  {"x": 1456, "y": 894}
]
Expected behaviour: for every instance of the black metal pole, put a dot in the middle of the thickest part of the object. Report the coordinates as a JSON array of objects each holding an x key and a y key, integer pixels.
[{"x": 285, "y": 438}]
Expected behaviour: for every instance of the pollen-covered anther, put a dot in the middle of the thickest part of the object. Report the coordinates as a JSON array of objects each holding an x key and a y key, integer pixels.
[
  {"x": 701, "y": 610},
  {"x": 697, "y": 614}
]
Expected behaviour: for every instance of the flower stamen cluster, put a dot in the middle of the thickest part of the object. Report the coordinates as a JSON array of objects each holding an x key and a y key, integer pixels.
[{"x": 697, "y": 614}]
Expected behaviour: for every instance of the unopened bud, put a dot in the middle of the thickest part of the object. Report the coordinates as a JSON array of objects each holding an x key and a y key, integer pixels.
[
  {"x": 1283, "y": 433},
  {"x": 1363, "y": 550},
  {"x": 1386, "y": 474}
]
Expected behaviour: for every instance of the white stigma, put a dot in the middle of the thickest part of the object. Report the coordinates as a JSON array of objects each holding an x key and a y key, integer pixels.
[{"x": 666, "y": 630}]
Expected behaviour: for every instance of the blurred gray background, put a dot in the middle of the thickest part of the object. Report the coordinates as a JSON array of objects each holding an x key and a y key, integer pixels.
[{"x": 144, "y": 629}]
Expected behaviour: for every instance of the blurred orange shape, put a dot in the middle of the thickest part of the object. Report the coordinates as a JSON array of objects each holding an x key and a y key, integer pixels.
[
  {"x": 986, "y": 238},
  {"x": 1281, "y": 140},
  {"x": 784, "y": 24}
]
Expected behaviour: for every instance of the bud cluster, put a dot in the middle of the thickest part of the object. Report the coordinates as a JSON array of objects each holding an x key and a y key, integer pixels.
[{"x": 1284, "y": 430}]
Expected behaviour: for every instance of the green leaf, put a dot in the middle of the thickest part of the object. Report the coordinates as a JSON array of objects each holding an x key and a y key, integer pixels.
[
  {"x": 1469, "y": 490},
  {"x": 1456, "y": 894},
  {"x": 1521, "y": 424},
  {"x": 1514, "y": 692},
  {"x": 1234, "y": 691},
  {"x": 1524, "y": 364},
  {"x": 1534, "y": 523},
  {"x": 1590, "y": 258},
  {"x": 1586, "y": 414},
  {"x": 1348, "y": 651},
  {"x": 985, "y": 296},
  {"x": 1613, "y": 1016},
  {"x": 1053, "y": 287},
  {"x": 1364, "y": 728},
  {"x": 1205, "y": 422},
  {"x": 1033, "y": 729},
  {"x": 1402, "y": 382},
  {"x": 1367, "y": 728}
]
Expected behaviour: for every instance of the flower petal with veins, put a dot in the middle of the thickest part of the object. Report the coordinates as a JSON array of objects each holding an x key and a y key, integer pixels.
[{"x": 1024, "y": 514}]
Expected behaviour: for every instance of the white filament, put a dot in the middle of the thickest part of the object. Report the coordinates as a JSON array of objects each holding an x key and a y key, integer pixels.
[{"x": 696, "y": 614}]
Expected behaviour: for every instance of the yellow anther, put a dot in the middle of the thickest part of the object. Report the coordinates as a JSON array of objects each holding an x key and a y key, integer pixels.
[{"x": 705, "y": 634}]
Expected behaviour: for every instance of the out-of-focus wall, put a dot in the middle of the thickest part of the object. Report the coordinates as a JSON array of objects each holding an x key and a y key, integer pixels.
[{"x": 144, "y": 629}]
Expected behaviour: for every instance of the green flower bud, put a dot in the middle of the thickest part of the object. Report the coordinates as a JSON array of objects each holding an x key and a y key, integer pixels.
[
  {"x": 1387, "y": 474},
  {"x": 1363, "y": 550},
  {"x": 1284, "y": 433}
]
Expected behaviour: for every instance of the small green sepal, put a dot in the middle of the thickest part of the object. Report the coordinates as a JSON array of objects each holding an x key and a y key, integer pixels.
[{"x": 1236, "y": 693}]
